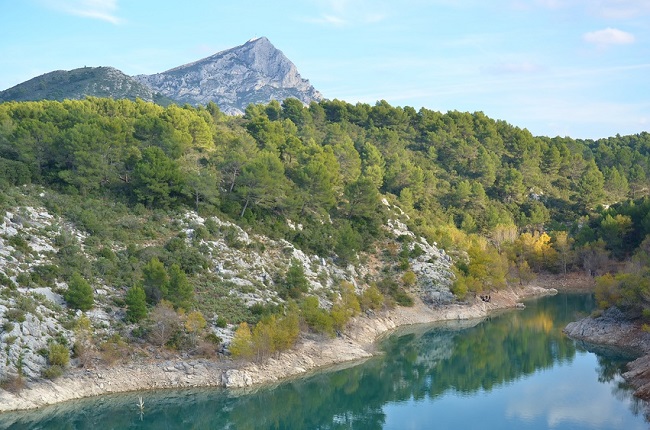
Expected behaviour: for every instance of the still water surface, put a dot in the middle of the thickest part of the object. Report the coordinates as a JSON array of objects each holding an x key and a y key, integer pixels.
[{"x": 511, "y": 371}]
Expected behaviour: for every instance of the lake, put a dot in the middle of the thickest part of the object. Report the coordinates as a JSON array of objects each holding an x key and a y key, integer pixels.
[{"x": 514, "y": 370}]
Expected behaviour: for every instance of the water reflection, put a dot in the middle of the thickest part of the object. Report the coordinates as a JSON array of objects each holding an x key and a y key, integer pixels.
[{"x": 455, "y": 373}]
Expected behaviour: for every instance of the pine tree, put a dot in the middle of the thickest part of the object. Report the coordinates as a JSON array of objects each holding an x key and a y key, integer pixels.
[
  {"x": 136, "y": 304},
  {"x": 180, "y": 291}
]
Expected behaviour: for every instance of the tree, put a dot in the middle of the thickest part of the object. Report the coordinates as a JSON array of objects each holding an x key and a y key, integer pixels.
[
  {"x": 83, "y": 340},
  {"x": 317, "y": 319},
  {"x": 157, "y": 179},
  {"x": 614, "y": 231},
  {"x": 502, "y": 235},
  {"x": 241, "y": 345},
  {"x": 201, "y": 181},
  {"x": 164, "y": 323},
  {"x": 346, "y": 307},
  {"x": 512, "y": 186},
  {"x": 595, "y": 258},
  {"x": 79, "y": 294},
  {"x": 562, "y": 243},
  {"x": 262, "y": 182},
  {"x": 295, "y": 282},
  {"x": 156, "y": 281},
  {"x": 590, "y": 186},
  {"x": 180, "y": 291},
  {"x": 136, "y": 304},
  {"x": 194, "y": 324}
]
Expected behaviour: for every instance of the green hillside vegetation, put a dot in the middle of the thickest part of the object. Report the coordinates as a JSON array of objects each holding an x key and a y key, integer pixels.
[
  {"x": 78, "y": 83},
  {"x": 506, "y": 205}
]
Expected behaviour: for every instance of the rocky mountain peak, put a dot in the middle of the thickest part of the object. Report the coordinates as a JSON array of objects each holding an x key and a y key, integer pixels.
[{"x": 255, "y": 72}]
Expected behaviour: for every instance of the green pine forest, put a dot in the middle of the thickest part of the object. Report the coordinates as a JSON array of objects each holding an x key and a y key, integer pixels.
[{"x": 506, "y": 205}]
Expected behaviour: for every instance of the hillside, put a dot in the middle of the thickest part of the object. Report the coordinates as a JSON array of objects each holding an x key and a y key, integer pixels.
[
  {"x": 79, "y": 83},
  {"x": 135, "y": 230}
]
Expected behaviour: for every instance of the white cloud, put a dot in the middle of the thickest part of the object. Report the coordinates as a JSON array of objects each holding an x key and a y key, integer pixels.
[
  {"x": 103, "y": 10},
  {"x": 609, "y": 36}
]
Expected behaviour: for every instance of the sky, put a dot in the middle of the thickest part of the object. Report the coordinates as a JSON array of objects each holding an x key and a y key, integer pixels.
[{"x": 578, "y": 68}]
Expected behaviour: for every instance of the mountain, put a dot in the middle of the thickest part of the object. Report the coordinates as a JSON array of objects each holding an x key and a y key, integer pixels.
[
  {"x": 255, "y": 72},
  {"x": 82, "y": 82}
]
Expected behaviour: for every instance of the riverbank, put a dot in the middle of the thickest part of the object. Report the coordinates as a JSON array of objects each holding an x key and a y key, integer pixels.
[
  {"x": 309, "y": 354},
  {"x": 612, "y": 329}
]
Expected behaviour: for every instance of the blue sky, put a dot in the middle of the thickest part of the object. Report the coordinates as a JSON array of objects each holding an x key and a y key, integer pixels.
[{"x": 578, "y": 68}]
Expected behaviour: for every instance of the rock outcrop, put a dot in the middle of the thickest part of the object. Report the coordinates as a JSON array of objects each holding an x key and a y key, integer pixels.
[
  {"x": 611, "y": 329},
  {"x": 614, "y": 330},
  {"x": 255, "y": 72}
]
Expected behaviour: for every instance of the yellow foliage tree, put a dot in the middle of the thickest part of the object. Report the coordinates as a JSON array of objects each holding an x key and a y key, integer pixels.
[
  {"x": 241, "y": 345},
  {"x": 194, "y": 324}
]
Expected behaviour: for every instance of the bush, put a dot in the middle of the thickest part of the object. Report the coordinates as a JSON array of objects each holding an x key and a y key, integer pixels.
[
  {"x": 113, "y": 349},
  {"x": 295, "y": 282},
  {"x": 79, "y": 294},
  {"x": 52, "y": 372},
  {"x": 316, "y": 318},
  {"x": 58, "y": 355},
  {"x": 372, "y": 299},
  {"x": 221, "y": 322},
  {"x": 409, "y": 278},
  {"x": 15, "y": 315},
  {"x": 392, "y": 289},
  {"x": 13, "y": 383}
]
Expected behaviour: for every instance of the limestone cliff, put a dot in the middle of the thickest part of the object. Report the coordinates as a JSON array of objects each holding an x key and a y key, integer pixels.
[{"x": 255, "y": 72}]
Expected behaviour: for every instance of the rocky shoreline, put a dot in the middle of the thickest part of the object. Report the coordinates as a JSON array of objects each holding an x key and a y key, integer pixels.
[
  {"x": 309, "y": 354},
  {"x": 612, "y": 329}
]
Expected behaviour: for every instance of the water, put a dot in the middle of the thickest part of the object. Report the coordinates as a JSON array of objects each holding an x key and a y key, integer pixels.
[{"x": 511, "y": 371}]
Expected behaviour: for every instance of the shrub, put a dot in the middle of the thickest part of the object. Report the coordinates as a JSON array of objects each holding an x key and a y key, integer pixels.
[
  {"x": 295, "y": 282},
  {"x": 79, "y": 294},
  {"x": 316, "y": 318},
  {"x": 221, "y": 322},
  {"x": 372, "y": 299},
  {"x": 15, "y": 315},
  {"x": 52, "y": 372},
  {"x": 58, "y": 355},
  {"x": 347, "y": 307},
  {"x": 113, "y": 349},
  {"x": 409, "y": 278},
  {"x": 13, "y": 383},
  {"x": 201, "y": 233}
]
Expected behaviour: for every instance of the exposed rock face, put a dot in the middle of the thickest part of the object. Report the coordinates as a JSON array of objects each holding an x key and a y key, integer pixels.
[
  {"x": 79, "y": 83},
  {"x": 613, "y": 329},
  {"x": 255, "y": 72}
]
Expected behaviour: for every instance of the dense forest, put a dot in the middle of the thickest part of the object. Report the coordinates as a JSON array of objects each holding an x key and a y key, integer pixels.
[{"x": 504, "y": 203}]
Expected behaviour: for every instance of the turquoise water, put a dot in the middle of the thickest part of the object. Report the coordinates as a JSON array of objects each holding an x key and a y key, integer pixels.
[{"x": 511, "y": 371}]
